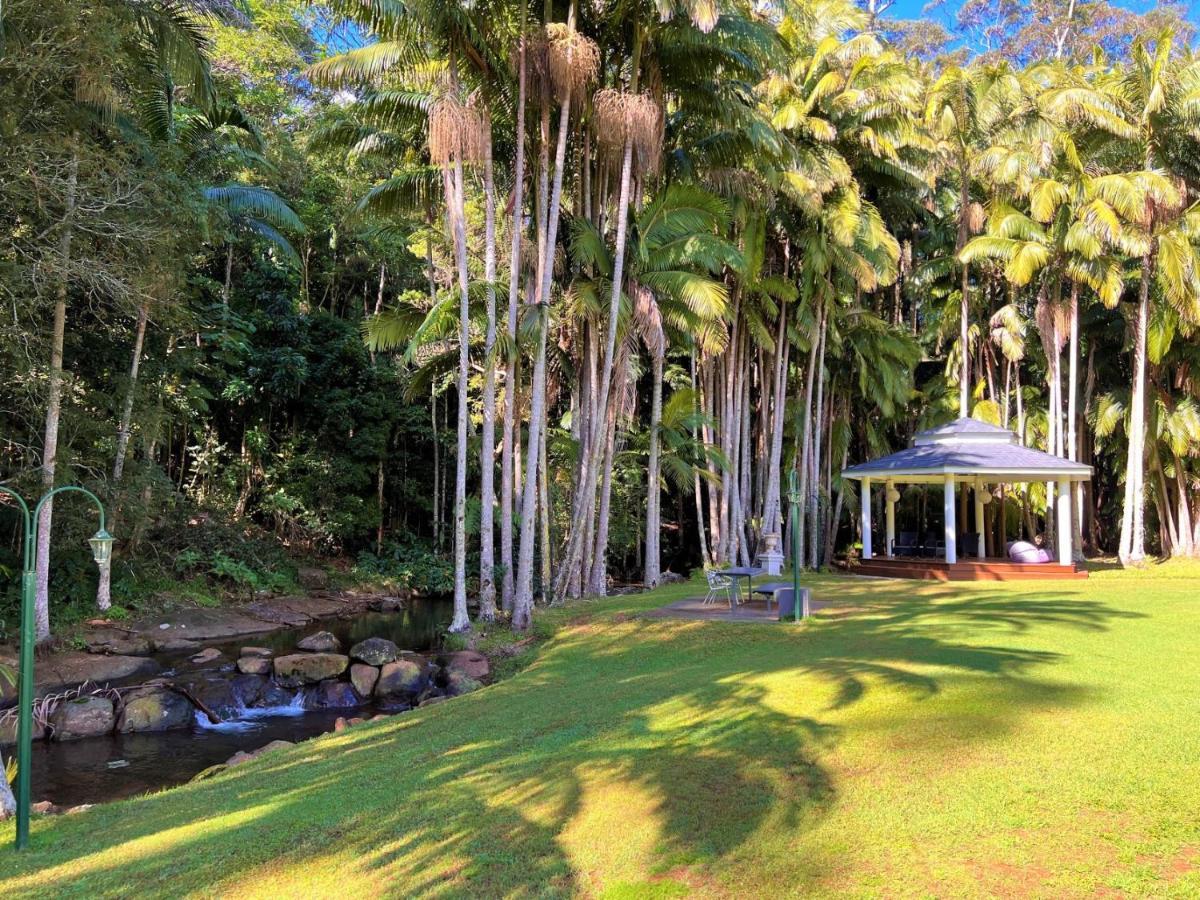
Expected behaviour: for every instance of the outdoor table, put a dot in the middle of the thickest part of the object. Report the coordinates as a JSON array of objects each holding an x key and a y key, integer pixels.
[{"x": 747, "y": 572}]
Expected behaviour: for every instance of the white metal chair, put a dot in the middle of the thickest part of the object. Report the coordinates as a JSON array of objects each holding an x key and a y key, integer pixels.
[{"x": 717, "y": 585}]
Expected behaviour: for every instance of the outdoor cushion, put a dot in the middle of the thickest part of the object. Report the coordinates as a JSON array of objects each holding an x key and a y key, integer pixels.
[{"x": 1025, "y": 552}]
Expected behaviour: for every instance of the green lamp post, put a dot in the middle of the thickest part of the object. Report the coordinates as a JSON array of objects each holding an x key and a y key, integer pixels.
[
  {"x": 794, "y": 500},
  {"x": 101, "y": 543}
]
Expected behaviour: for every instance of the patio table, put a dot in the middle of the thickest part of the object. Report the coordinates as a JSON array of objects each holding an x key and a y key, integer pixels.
[{"x": 747, "y": 572}]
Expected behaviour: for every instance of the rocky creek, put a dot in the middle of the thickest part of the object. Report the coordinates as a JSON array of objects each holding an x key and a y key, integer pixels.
[{"x": 192, "y": 704}]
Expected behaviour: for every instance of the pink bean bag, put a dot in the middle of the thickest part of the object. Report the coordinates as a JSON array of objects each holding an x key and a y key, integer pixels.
[{"x": 1025, "y": 552}]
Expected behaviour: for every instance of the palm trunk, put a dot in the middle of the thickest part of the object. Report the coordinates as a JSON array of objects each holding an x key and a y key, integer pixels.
[
  {"x": 54, "y": 411},
  {"x": 1133, "y": 529},
  {"x": 228, "y": 285},
  {"x": 696, "y": 489},
  {"x": 510, "y": 373},
  {"x": 487, "y": 452},
  {"x": 814, "y": 489},
  {"x": 772, "y": 504},
  {"x": 574, "y": 552},
  {"x": 653, "y": 494},
  {"x": 453, "y": 183},
  {"x": 523, "y": 600},
  {"x": 964, "y": 387}
]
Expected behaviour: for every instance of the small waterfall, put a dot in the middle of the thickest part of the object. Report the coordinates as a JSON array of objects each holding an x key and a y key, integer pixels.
[{"x": 247, "y": 717}]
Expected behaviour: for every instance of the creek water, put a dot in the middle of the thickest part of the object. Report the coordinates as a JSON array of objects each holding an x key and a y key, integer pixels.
[{"x": 97, "y": 770}]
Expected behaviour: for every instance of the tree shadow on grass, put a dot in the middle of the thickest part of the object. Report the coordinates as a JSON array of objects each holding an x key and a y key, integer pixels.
[{"x": 630, "y": 749}]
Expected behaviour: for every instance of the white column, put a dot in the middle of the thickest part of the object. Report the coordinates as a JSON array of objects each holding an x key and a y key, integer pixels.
[
  {"x": 1065, "y": 557},
  {"x": 982, "y": 551},
  {"x": 950, "y": 509},
  {"x": 891, "y": 517},
  {"x": 865, "y": 503}
]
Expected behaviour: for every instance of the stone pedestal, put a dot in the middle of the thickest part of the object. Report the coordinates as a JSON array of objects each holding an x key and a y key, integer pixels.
[{"x": 770, "y": 558}]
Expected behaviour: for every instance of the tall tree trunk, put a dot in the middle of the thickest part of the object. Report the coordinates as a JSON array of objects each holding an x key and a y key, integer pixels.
[
  {"x": 523, "y": 599},
  {"x": 653, "y": 495},
  {"x": 228, "y": 285},
  {"x": 964, "y": 386},
  {"x": 814, "y": 489},
  {"x": 507, "y": 580},
  {"x": 696, "y": 489},
  {"x": 54, "y": 409},
  {"x": 104, "y": 588},
  {"x": 455, "y": 203},
  {"x": 487, "y": 452},
  {"x": 772, "y": 504},
  {"x": 574, "y": 553},
  {"x": 1133, "y": 529}
]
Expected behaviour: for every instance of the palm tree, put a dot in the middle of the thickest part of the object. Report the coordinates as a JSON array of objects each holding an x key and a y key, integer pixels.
[
  {"x": 1161, "y": 92},
  {"x": 675, "y": 250}
]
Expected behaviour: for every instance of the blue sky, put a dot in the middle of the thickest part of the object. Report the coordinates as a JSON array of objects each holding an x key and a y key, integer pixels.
[{"x": 914, "y": 9}]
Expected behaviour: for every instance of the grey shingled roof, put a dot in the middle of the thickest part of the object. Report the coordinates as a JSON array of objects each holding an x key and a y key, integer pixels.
[{"x": 944, "y": 452}]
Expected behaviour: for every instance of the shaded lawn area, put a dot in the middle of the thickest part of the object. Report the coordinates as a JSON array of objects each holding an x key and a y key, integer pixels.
[{"x": 913, "y": 739}]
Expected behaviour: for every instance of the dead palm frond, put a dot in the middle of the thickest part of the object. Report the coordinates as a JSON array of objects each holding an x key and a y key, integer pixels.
[{"x": 622, "y": 116}]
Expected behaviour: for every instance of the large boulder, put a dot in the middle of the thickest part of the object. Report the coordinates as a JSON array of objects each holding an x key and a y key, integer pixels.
[
  {"x": 458, "y": 682},
  {"x": 154, "y": 709},
  {"x": 402, "y": 677},
  {"x": 469, "y": 662},
  {"x": 242, "y": 756},
  {"x": 363, "y": 677},
  {"x": 321, "y": 642},
  {"x": 312, "y": 578},
  {"x": 275, "y": 695},
  {"x": 254, "y": 665},
  {"x": 387, "y": 604},
  {"x": 333, "y": 695},
  {"x": 375, "y": 651},
  {"x": 82, "y": 717},
  {"x": 215, "y": 693},
  {"x": 309, "y": 668},
  {"x": 248, "y": 688}
]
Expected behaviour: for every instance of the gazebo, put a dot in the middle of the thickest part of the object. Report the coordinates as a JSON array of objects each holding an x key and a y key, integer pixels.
[{"x": 972, "y": 454}]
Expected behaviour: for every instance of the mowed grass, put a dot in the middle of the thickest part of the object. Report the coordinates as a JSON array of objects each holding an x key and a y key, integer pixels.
[{"x": 912, "y": 740}]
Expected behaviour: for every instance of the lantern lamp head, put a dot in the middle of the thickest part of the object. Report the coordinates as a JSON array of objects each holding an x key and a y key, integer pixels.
[{"x": 102, "y": 544}]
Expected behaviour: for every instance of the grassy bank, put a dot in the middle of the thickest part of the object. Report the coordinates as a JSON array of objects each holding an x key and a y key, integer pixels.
[{"x": 912, "y": 740}]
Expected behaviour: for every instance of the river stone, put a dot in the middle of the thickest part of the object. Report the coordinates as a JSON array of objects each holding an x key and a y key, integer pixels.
[
  {"x": 217, "y": 693},
  {"x": 206, "y": 656},
  {"x": 333, "y": 695},
  {"x": 258, "y": 652},
  {"x": 321, "y": 642},
  {"x": 121, "y": 644},
  {"x": 363, "y": 677},
  {"x": 175, "y": 644},
  {"x": 154, "y": 709},
  {"x": 82, "y": 717},
  {"x": 312, "y": 578},
  {"x": 254, "y": 665},
  {"x": 274, "y": 695},
  {"x": 387, "y": 604},
  {"x": 459, "y": 682},
  {"x": 469, "y": 662},
  {"x": 309, "y": 668},
  {"x": 248, "y": 688},
  {"x": 401, "y": 677},
  {"x": 375, "y": 651},
  {"x": 242, "y": 756}
]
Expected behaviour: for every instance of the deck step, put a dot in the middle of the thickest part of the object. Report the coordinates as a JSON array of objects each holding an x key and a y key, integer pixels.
[{"x": 967, "y": 570}]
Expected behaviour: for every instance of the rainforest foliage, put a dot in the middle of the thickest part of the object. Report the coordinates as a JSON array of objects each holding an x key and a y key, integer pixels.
[{"x": 514, "y": 300}]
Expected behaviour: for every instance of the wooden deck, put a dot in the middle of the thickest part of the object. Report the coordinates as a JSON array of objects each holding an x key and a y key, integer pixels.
[{"x": 965, "y": 570}]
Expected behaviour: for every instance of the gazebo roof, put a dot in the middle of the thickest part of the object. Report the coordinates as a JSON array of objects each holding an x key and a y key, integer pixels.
[{"x": 971, "y": 449}]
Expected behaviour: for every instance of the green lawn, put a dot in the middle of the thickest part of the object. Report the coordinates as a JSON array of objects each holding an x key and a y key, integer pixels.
[{"x": 913, "y": 740}]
